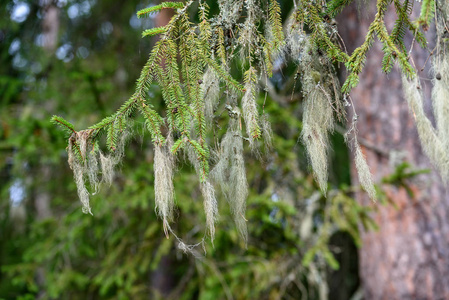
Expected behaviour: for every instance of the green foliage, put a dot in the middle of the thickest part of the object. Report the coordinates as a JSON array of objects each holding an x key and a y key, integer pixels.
[
  {"x": 276, "y": 35},
  {"x": 402, "y": 176},
  {"x": 336, "y": 6},
  {"x": 154, "y": 31},
  {"x": 392, "y": 53},
  {"x": 156, "y": 8},
  {"x": 427, "y": 12},
  {"x": 65, "y": 125},
  {"x": 347, "y": 215}
]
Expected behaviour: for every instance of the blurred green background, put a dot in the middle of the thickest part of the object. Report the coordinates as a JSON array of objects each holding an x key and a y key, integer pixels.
[{"x": 80, "y": 60}]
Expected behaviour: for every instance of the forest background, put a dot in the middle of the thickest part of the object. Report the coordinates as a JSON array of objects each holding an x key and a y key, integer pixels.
[{"x": 80, "y": 59}]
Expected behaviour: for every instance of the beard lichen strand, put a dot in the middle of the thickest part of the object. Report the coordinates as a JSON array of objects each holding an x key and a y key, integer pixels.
[
  {"x": 229, "y": 172},
  {"x": 219, "y": 171},
  {"x": 210, "y": 206},
  {"x": 77, "y": 169},
  {"x": 86, "y": 167},
  {"x": 163, "y": 183},
  {"x": 315, "y": 139},
  {"x": 296, "y": 39},
  {"x": 432, "y": 145},
  {"x": 208, "y": 193},
  {"x": 92, "y": 170},
  {"x": 317, "y": 121},
  {"x": 250, "y": 113},
  {"x": 239, "y": 185},
  {"x": 107, "y": 168},
  {"x": 83, "y": 194},
  {"x": 318, "y": 117},
  {"x": 267, "y": 132},
  {"x": 210, "y": 93},
  {"x": 229, "y": 12},
  {"x": 248, "y": 31},
  {"x": 440, "y": 96},
  {"x": 108, "y": 162},
  {"x": 363, "y": 171}
]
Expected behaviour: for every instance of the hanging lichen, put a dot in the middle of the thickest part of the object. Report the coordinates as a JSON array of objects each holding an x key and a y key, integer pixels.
[
  {"x": 229, "y": 172},
  {"x": 163, "y": 182},
  {"x": 194, "y": 63},
  {"x": 431, "y": 143}
]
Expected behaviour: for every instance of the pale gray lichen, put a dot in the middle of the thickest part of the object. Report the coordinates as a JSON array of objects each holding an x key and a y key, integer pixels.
[
  {"x": 296, "y": 39},
  {"x": 440, "y": 97},
  {"x": 363, "y": 171},
  {"x": 431, "y": 143},
  {"x": 163, "y": 182},
  {"x": 229, "y": 172},
  {"x": 107, "y": 168},
  {"x": 211, "y": 89},
  {"x": 210, "y": 206},
  {"x": 250, "y": 113},
  {"x": 80, "y": 166},
  {"x": 317, "y": 123},
  {"x": 267, "y": 132},
  {"x": 83, "y": 160}
]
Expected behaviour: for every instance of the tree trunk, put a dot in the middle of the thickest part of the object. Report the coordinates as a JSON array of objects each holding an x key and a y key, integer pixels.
[
  {"x": 50, "y": 28},
  {"x": 408, "y": 257},
  {"x": 50, "y": 25}
]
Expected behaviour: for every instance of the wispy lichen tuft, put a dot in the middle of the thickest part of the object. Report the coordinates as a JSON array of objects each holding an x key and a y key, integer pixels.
[
  {"x": 83, "y": 194},
  {"x": 440, "y": 97},
  {"x": 92, "y": 170},
  {"x": 267, "y": 132},
  {"x": 107, "y": 168},
  {"x": 317, "y": 122},
  {"x": 432, "y": 145},
  {"x": 79, "y": 163},
  {"x": 249, "y": 108},
  {"x": 211, "y": 88},
  {"x": 239, "y": 187},
  {"x": 210, "y": 206},
  {"x": 296, "y": 39},
  {"x": 230, "y": 174},
  {"x": 363, "y": 172},
  {"x": 163, "y": 182}
]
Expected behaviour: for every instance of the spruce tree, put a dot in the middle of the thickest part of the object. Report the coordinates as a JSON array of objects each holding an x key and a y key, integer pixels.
[{"x": 195, "y": 62}]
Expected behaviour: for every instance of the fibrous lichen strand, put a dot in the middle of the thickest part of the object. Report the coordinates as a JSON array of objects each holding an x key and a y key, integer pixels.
[
  {"x": 431, "y": 143},
  {"x": 163, "y": 182},
  {"x": 210, "y": 207},
  {"x": 363, "y": 171},
  {"x": 440, "y": 97}
]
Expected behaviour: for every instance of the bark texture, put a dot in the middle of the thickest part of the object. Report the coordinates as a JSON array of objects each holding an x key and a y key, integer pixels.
[
  {"x": 50, "y": 25},
  {"x": 408, "y": 258}
]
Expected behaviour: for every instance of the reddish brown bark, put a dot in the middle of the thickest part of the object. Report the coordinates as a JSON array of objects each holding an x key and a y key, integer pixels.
[{"x": 408, "y": 258}]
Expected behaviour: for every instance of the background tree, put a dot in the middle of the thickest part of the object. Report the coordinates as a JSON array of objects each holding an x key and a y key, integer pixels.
[{"x": 406, "y": 258}]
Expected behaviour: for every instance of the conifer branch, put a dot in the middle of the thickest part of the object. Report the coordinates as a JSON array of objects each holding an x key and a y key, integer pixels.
[
  {"x": 276, "y": 33},
  {"x": 154, "y": 31},
  {"x": 64, "y": 124},
  {"x": 427, "y": 12},
  {"x": 156, "y": 8},
  {"x": 336, "y": 6}
]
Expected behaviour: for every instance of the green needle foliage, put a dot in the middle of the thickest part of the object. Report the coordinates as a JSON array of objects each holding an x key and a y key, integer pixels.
[{"x": 194, "y": 64}]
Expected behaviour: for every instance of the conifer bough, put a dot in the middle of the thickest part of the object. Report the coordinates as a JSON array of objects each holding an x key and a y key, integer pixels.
[{"x": 192, "y": 64}]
